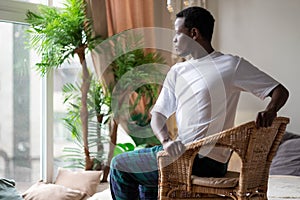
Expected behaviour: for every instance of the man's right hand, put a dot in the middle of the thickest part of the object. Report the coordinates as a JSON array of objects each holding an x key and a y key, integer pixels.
[{"x": 174, "y": 148}]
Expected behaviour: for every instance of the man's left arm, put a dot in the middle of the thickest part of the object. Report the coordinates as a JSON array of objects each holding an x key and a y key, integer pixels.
[
  {"x": 279, "y": 96},
  {"x": 158, "y": 124}
]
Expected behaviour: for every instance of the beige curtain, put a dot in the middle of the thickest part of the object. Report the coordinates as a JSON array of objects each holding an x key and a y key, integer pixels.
[
  {"x": 128, "y": 14},
  {"x": 114, "y": 16}
]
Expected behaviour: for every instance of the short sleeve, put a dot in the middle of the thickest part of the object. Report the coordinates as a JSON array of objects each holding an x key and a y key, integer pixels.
[
  {"x": 249, "y": 78},
  {"x": 166, "y": 102}
]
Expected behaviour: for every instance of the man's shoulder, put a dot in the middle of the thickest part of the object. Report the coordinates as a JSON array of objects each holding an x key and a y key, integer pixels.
[
  {"x": 227, "y": 61},
  {"x": 179, "y": 64},
  {"x": 226, "y": 56},
  {"x": 178, "y": 67}
]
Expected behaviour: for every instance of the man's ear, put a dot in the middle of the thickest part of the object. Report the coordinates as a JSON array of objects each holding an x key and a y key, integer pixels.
[{"x": 195, "y": 34}]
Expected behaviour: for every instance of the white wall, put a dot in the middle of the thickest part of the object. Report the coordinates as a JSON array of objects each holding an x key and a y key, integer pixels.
[{"x": 267, "y": 33}]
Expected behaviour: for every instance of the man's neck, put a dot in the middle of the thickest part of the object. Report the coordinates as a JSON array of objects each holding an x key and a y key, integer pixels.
[
  {"x": 203, "y": 53},
  {"x": 209, "y": 49},
  {"x": 202, "y": 49}
]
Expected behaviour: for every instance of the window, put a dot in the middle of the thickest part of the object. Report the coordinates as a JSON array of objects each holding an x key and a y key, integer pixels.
[
  {"x": 45, "y": 2},
  {"x": 67, "y": 73},
  {"x": 20, "y": 108},
  {"x": 57, "y": 3},
  {"x": 32, "y": 134},
  {"x": 20, "y": 99}
]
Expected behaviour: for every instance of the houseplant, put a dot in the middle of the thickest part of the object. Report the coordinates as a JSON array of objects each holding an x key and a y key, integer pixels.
[
  {"x": 131, "y": 71},
  {"x": 57, "y": 34}
]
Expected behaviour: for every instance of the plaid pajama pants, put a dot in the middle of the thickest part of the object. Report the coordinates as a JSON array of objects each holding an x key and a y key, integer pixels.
[{"x": 134, "y": 175}]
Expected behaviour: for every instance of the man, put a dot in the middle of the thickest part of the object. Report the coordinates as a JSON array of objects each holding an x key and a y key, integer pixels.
[{"x": 204, "y": 93}]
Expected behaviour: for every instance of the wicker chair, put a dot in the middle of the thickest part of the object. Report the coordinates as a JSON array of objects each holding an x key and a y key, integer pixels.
[{"x": 256, "y": 149}]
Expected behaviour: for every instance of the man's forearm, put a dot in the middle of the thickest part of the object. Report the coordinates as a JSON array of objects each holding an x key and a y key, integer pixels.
[
  {"x": 158, "y": 124},
  {"x": 159, "y": 127},
  {"x": 279, "y": 97}
]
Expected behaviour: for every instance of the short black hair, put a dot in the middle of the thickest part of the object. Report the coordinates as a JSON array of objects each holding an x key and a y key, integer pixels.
[{"x": 200, "y": 18}]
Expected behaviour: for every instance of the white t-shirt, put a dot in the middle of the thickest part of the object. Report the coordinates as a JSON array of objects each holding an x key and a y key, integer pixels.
[{"x": 204, "y": 93}]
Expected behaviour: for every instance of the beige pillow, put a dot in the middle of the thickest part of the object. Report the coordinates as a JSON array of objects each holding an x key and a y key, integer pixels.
[
  {"x": 85, "y": 181},
  {"x": 44, "y": 191}
]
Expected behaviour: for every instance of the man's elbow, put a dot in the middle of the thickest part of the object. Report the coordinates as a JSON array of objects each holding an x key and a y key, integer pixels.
[
  {"x": 281, "y": 91},
  {"x": 153, "y": 122},
  {"x": 284, "y": 93},
  {"x": 287, "y": 93},
  {"x": 157, "y": 120}
]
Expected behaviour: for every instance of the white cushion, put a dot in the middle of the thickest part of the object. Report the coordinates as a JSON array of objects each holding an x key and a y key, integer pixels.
[{"x": 231, "y": 179}]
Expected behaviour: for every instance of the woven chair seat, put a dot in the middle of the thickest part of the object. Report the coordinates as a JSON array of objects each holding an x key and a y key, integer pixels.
[{"x": 230, "y": 180}]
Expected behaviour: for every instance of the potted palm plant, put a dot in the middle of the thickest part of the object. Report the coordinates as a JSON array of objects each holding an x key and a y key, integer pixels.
[
  {"x": 57, "y": 34},
  {"x": 131, "y": 67}
]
